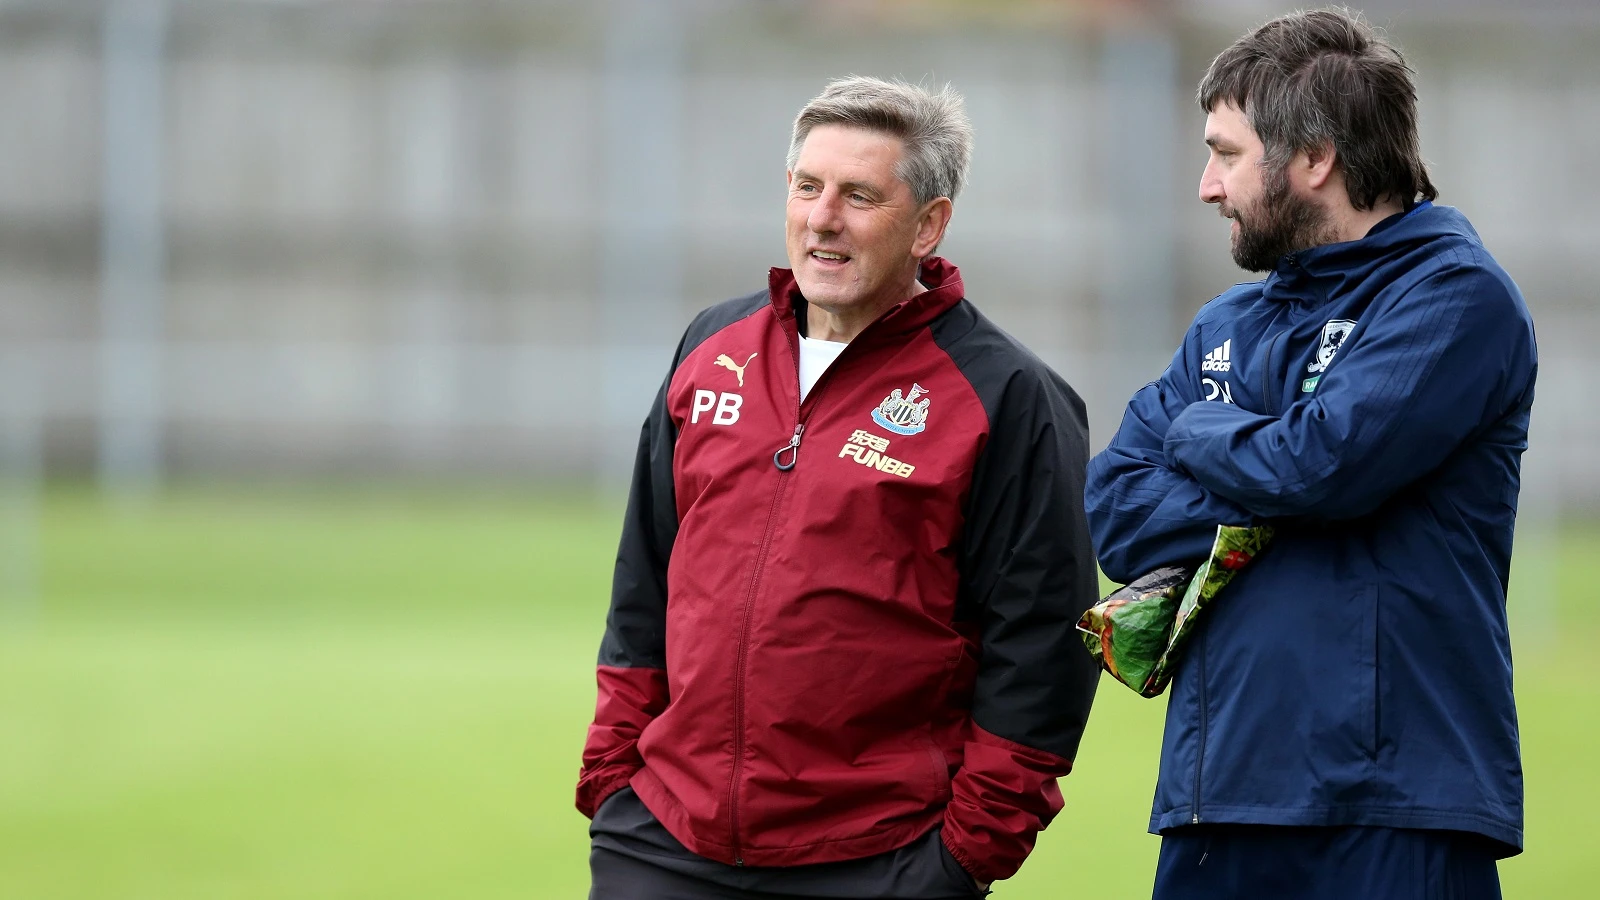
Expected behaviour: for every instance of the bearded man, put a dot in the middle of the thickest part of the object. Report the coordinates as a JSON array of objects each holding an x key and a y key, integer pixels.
[{"x": 1343, "y": 725}]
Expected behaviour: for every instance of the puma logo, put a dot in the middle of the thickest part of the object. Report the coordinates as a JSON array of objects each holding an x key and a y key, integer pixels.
[{"x": 726, "y": 361}]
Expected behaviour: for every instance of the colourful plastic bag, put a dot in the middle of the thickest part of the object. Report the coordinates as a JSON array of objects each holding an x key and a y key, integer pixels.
[{"x": 1139, "y": 632}]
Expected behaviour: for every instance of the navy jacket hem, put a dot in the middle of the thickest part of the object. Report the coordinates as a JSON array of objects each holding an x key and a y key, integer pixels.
[{"x": 1508, "y": 836}]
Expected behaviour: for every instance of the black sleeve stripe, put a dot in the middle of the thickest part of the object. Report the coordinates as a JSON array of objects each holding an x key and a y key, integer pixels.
[{"x": 1026, "y": 565}]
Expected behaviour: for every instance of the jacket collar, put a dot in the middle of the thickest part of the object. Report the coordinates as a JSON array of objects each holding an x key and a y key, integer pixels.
[
  {"x": 942, "y": 279},
  {"x": 1310, "y": 276}
]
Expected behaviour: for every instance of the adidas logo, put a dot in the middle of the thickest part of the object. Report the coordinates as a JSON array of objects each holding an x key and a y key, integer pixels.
[{"x": 1219, "y": 360}]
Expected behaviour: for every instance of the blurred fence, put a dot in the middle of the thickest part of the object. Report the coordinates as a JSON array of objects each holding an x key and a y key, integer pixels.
[{"x": 442, "y": 237}]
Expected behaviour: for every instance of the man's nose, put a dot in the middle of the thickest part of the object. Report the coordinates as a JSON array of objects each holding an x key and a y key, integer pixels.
[
  {"x": 1211, "y": 186},
  {"x": 824, "y": 218}
]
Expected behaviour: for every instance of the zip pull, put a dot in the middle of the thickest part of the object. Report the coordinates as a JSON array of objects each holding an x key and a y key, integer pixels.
[{"x": 792, "y": 448}]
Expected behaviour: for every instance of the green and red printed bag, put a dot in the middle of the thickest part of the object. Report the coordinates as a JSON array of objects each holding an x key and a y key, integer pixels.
[{"x": 1138, "y": 632}]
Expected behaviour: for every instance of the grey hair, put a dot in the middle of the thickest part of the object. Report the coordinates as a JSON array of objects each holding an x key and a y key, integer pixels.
[{"x": 932, "y": 125}]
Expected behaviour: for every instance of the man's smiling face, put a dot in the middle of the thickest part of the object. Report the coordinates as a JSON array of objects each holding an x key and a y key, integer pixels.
[{"x": 852, "y": 223}]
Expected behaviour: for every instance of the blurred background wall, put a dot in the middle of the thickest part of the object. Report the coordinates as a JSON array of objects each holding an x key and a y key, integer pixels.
[
  {"x": 326, "y": 327},
  {"x": 440, "y": 238}
]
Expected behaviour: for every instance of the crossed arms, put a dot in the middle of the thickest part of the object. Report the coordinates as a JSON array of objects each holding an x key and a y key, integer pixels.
[{"x": 1427, "y": 370}]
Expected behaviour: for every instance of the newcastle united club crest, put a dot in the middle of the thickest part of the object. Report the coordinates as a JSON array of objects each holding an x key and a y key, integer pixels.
[{"x": 903, "y": 415}]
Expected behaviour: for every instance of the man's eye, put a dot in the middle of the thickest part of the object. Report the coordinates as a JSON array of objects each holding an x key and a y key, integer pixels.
[{"x": 806, "y": 188}]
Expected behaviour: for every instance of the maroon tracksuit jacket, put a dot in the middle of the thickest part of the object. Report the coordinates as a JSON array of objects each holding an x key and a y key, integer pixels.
[{"x": 838, "y": 624}]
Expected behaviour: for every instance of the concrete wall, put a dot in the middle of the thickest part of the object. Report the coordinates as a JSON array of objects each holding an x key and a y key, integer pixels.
[{"x": 445, "y": 237}]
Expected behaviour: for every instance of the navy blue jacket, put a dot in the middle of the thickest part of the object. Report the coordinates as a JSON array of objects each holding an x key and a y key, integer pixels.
[{"x": 1371, "y": 399}]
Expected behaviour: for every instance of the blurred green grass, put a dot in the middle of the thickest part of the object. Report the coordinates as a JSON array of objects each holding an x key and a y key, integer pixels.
[{"x": 368, "y": 693}]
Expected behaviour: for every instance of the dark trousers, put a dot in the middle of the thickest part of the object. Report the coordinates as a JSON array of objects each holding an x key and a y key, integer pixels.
[
  {"x": 1255, "y": 862},
  {"x": 617, "y": 876},
  {"x": 632, "y": 857}
]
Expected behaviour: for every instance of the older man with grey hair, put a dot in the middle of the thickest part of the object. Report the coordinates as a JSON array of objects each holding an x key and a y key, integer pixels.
[{"x": 840, "y": 656}]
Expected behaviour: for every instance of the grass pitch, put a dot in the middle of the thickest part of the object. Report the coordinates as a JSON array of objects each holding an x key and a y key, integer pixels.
[{"x": 361, "y": 694}]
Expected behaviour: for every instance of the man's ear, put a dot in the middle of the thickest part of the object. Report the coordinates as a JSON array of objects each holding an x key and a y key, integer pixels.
[
  {"x": 1319, "y": 163},
  {"x": 931, "y": 224}
]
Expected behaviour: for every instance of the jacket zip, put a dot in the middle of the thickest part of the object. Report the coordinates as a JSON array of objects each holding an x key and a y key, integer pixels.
[
  {"x": 785, "y": 459},
  {"x": 1269, "y": 397},
  {"x": 743, "y": 647},
  {"x": 1200, "y": 757},
  {"x": 792, "y": 449},
  {"x": 1269, "y": 400}
]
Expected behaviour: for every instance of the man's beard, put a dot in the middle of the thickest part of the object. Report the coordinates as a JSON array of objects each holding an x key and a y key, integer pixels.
[{"x": 1279, "y": 223}]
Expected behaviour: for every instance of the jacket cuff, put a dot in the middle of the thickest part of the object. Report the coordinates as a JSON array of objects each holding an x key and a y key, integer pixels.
[
  {"x": 972, "y": 865},
  {"x": 595, "y": 787},
  {"x": 959, "y": 854},
  {"x": 1005, "y": 794}
]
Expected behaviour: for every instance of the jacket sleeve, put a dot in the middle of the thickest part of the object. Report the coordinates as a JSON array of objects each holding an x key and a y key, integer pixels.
[
  {"x": 1446, "y": 359},
  {"x": 1028, "y": 571},
  {"x": 1143, "y": 512},
  {"x": 631, "y": 674}
]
